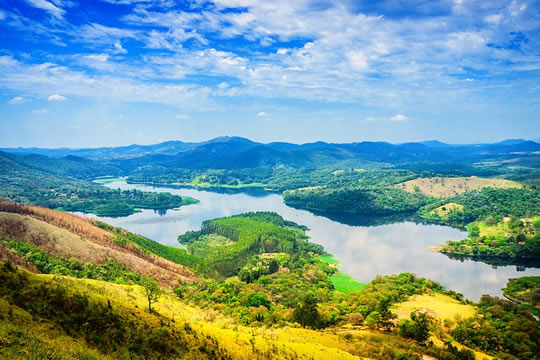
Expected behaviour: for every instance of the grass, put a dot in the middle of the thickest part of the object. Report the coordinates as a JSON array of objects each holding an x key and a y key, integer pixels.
[
  {"x": 501, "y": 228},
  {"x": 346, "y": 284},
  {"x": 342, "y": 282},
  {"x": 439, "y": 306},
  {"x": 91, "y": 244},
  {"x": 329, "y": 259},
  {"x": 446, "y": 186},
  {"x": 445, "y": 209},
  {"x": 198, "y": 182},
  {"x": 240, "y": 342},
  {"x": 106, "y": 180}
]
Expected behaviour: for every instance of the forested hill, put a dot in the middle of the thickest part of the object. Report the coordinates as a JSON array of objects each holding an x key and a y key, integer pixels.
[
  {"x": 236, "y": 152},
  {"x": 53, "y": 183}
]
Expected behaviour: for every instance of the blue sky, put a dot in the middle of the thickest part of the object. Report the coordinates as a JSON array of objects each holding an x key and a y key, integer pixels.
[{"x": 116, "y": 72}]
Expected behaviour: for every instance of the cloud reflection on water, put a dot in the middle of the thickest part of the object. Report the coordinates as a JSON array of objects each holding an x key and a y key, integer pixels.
[{"x": 364, "y": 251}]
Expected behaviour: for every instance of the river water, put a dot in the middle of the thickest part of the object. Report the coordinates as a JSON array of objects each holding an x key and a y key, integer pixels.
[{"x": 363, "y": 250}]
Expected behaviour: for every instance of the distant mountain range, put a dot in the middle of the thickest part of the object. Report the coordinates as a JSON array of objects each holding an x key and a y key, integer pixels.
[{"x": 237, "y": 152}]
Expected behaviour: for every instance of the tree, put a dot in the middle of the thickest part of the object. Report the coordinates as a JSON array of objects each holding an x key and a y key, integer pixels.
[
  {"x": 273, "y": 267},
  {"x": 151, "y": 290},
  {"x": 417, "y": 329},
  {"x": 385, "y": 315},
  {"x": 306, "y": 313}
]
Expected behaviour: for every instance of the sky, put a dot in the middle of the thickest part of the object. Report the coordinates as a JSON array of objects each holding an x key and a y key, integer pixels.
[{"x": 115, "y": 72}]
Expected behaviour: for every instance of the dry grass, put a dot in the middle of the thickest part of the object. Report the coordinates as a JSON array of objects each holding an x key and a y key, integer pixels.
[
  {"x": 75, "y": 236},
  {"x": 445, "y": 186},
  {"x": 445, "y": 209},
  {"x": 439, "y": 306}
]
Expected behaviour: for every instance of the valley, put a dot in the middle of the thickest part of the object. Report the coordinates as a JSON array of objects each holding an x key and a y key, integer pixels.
[{"x": 308, "y": 252}]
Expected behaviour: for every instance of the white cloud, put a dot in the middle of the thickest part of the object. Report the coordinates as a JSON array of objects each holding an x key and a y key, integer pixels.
[
  {"x": 399, "y": 117},
  {"x": 118, "y": 49},
  {"x": 47, "y": 6},
  {"x": 182, "y": 117},
  {"x": 339, "y": 55},
  {"x": 262, "y": 114},
  {"x": 56, "y": 97},
  {"x": 358, "y": 60},
  {"x": 97, "y": 57},
  {"x": 17, "y": 100},
  {"x": 42, "y": 79},
  {"x": 40, "y": 111},
  {"x": 493, "y": 18}
]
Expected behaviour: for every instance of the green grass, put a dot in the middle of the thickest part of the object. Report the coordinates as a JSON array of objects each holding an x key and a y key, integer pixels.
[
  {"x": 346, "y": 284},
  {"x": 197, "y": 183},
  {"x": 342, "y": 282},
  {"x": 329, "y": 259},
  {"x": 106, "y": 180}
]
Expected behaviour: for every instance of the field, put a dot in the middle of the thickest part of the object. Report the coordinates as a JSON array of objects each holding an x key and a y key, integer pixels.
[
  {"x": 106, "y": 180},
  {"x": 342, "y": 282},
  {"x": 329, "y": 259},
  {"x": 439, "y": 306},
  {"x": 504, "y": 228},
  {"x": 200, "y": 182},
  {"x": 446, "y": 186},
  {"x": 346, "y": 284},
  {"x": 445, "y": 209}
]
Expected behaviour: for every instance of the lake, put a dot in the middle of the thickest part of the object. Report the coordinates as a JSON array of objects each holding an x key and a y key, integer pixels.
[{"x": 363, "y": 250}]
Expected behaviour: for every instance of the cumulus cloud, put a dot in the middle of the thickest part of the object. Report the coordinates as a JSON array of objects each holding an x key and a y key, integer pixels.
[
  {"x": 399, "y": 117},
  {"x": 17, "y": 100},
  {"x": 262, "y": 114},
  {"x": 56, "y": 97}
]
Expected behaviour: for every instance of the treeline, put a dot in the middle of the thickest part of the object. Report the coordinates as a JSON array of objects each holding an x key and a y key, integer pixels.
[
  {"x": 517, "y": 239},
  {"x": 28, "y": 185},
  {"x": 502, "y": 328},
  {"x": 174, "y": 254},
  {"x": 525, "y": 289},
  {"x": 487, "y": 202},
  {"x": 377, "y": 201},
  {"x": 110, "y": 270}
]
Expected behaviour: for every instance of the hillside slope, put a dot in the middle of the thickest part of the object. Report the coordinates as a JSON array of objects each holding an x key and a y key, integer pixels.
[{"x": 69, "y": 236}]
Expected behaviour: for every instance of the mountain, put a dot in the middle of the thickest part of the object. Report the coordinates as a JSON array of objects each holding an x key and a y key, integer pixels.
[
  {"x": 236, "y": 152},
  {"x": 435, "y": 144},
  {"x": 510, "y": 142}
]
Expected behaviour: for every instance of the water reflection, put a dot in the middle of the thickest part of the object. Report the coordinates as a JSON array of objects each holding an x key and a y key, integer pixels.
[{"x": 366, "y": 246}]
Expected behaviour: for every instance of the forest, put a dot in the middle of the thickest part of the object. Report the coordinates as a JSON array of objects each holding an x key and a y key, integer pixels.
[{"x": 25, "y": 184}]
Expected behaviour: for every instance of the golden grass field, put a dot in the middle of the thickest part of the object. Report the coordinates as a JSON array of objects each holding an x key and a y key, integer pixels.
[
  {"x": 446, "y": 186},
  {"x": 437, "y": 305},
  {"x": 443, "y": 210}
]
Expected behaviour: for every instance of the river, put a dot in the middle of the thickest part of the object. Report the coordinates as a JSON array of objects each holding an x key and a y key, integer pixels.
[{"x": 364, "y": 251}]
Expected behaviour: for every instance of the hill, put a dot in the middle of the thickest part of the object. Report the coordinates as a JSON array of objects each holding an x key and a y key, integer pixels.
[
  {"x": 23, "y": 182},
  {"x": 446, "y": 186},
  {"x": 57, "y": 242}
]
